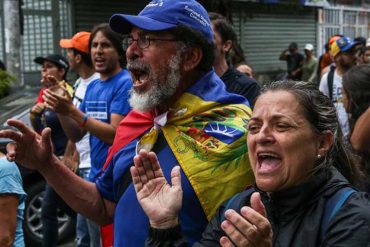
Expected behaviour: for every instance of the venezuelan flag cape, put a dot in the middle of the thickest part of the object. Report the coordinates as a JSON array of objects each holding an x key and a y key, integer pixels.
[
  {"x": 206, "y": 130},
  {"x": 207, "y": 135}
]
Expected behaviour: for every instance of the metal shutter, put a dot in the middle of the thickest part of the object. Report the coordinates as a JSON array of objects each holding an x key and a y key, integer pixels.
[
  {"x": 264, "y": 32},
  {"x": 88, "y": 13}
]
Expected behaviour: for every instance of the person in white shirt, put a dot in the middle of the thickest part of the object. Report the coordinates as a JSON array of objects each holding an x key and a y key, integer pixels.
[
  {"x": 345, "y": 55},
  {"x": 78, "y": 155}
]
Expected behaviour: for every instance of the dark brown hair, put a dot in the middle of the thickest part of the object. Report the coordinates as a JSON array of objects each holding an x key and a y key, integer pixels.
[{"x": 115, "y": 38}]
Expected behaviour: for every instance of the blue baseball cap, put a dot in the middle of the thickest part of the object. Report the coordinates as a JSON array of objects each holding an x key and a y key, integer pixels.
[
  {"x": 342, "y": 44},
  {"x": 161, "y": 15}
]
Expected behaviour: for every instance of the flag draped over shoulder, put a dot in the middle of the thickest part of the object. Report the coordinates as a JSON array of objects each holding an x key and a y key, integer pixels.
[
  {"x": 131, "y": 127},
  {"x": 211, "y": 148},
  {"x": 206, "y": 130}
]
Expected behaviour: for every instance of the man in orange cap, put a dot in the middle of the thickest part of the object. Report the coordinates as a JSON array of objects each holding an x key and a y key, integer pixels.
[{"x": 78, "y": 155}]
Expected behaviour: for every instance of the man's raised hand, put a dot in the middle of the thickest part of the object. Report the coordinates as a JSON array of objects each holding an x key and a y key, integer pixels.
[
  {"x": 28, "y": 148},
  {"x": 160, "y": 201}
]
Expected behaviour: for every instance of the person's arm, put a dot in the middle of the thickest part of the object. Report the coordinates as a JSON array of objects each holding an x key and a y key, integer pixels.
[
  {"x": 360, "y": 137},
  {"x": 324, "y": 71},
  {"x": 74, "y": 122},
  {"x": 313, "y": 76},
  {"x": 175, "y": 237},
  {"x": 298, "y": 70},
  {"x": 283, "y": 55},
  {"x": 323, "y": 87},
  {"x": 35, "y": 117},
  {"x": 8, "y": 218},
  {"x": 71, "y": 157},
  {"x": 35, "y": 152}
]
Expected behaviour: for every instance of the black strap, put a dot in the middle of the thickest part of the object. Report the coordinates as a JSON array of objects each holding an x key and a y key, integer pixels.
[{"x": 331, "y": 81}]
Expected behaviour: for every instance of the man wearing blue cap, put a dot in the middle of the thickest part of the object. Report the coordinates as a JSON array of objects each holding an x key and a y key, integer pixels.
[
  {"x": 344, "y": 52},
  {"x": 181, "y": 111}
]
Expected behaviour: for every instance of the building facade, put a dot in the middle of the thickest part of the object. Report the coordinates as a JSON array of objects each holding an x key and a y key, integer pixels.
[{"x": 264, "y": 27}]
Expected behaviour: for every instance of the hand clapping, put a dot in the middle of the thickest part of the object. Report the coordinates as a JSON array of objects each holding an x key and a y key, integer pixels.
[
  {"x": 160, "y": 201},
  {"x": 249, "y": 228}
]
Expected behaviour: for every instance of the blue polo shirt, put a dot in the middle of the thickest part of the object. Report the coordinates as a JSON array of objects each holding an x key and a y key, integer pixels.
[{"x": 101, "y": 100}]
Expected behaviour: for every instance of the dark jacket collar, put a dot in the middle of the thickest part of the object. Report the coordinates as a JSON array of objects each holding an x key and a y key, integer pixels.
[{"x": 285, "y": 204}]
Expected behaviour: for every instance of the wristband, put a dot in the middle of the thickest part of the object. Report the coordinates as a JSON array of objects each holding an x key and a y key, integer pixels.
[{"x": 85, "y": 120}]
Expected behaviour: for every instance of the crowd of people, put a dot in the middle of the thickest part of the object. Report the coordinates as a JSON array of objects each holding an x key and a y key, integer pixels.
[{"x": 169, "y": 141}]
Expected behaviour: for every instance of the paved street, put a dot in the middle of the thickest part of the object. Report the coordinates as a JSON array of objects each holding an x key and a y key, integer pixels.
[{"x": 70, "y": 243}]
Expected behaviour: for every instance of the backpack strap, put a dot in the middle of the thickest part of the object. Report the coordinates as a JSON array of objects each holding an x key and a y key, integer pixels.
[
  {"x": 332, "y": 206},
  {"x": 331, "y": 81},
  {"x": 236, "y": 201}
]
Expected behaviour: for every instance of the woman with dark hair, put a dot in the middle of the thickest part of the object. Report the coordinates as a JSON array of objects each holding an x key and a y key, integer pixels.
[
  {"x": 356, "y": 100},
  {"x": 299, "y": 199},
  {"x": 54, "y": 69}
]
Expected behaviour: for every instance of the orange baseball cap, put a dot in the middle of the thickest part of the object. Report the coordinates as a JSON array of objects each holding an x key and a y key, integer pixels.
[{"x": 79, "y": 41}]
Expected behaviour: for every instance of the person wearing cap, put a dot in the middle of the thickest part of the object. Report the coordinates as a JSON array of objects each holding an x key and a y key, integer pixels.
[
  {"x": 294, "y": 61},
  {"x": 344, "y": 52},
  {"x": 329, "y": 63},
  {"x": 77, "y": 155},
  {"x": 54, "y": 67},
  {"x": 106, "y": 100},
  {"x": 60, "y": 63},
  {"x": 310, "y": 64},
  {"x": 181, "y": 110},
  {"x": 235, "y": 81}
]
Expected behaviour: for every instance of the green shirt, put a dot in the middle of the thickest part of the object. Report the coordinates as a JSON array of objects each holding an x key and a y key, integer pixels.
[{"x": 309, "y": 70}]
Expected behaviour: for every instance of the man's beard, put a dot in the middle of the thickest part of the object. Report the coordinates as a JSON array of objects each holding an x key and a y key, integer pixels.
[{"x": 161, "y": 87}]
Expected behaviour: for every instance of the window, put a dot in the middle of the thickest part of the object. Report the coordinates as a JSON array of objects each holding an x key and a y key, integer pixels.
[
  {"x": 45, "y": 22},
  {"x": 351, "y": 22}
]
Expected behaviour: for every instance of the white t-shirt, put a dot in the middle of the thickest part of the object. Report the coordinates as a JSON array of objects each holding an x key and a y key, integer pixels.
[
  {"x": 337, "y": 100},
  {"x": 83, "y": 146}
]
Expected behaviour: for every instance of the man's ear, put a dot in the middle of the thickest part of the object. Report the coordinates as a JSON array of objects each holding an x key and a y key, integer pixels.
[
  {"x": 192, "y": 58},
  {"x": 78, "y": 58},
  {"x": 326, "y": 140},
  {"x": 227, "y": 46}
]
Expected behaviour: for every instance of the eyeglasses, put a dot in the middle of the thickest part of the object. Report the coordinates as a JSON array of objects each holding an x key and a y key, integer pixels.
[{"x": 143, "y": 42}]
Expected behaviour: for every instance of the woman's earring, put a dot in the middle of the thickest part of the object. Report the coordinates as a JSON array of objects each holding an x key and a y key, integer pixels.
[{"x": 318, "y": 156}]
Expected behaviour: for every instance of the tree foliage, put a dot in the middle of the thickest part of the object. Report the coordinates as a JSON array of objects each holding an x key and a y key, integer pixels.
[{"x": 6, "y": 80}]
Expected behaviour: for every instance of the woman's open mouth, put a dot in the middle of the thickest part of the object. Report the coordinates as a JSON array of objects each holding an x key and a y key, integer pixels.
[{"x": 268, "y": 162}]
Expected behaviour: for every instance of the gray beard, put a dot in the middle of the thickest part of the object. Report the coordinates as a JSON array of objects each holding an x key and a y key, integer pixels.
[{"x": 160, "y": 89}]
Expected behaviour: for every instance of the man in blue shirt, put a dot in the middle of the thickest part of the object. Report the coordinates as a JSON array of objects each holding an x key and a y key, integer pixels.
[{"x": 106, "y": 99}]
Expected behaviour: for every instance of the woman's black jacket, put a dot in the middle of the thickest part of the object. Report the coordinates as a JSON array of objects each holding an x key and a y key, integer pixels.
[{"x": 296, "y": 216}]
